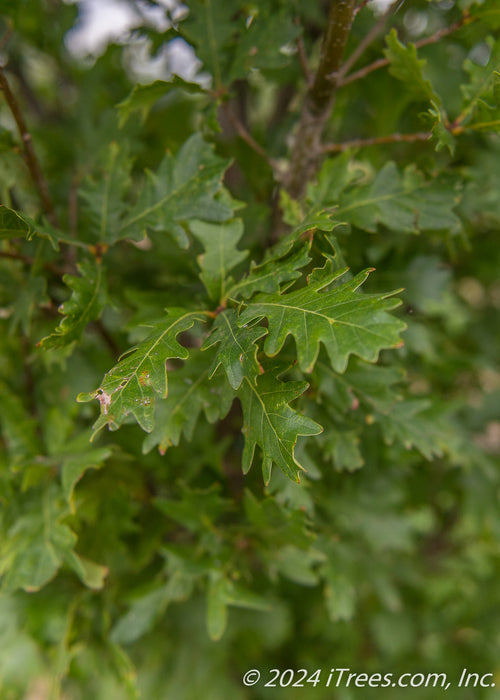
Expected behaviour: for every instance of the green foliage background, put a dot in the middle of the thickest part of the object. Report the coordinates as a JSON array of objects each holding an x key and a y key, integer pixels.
[{"x": 306, "y": 473}]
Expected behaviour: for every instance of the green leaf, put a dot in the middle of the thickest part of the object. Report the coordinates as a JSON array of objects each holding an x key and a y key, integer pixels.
[
  {"x": 76, "y": 464},
  {"x": 417, "y": 424},
  {"x": 406, "y": 67},
  {"x": 221, "y": 253},
  {"x": 105, "y": 197},
  {"x": 261, "y": 42},
  {"x": 184, "y": 188},
  {"x": 237, "y": 348},
  {"x": 189, "y": 394},
  {"x": 488, "y": 11},
  {"x": 84, "y": 306},
  {"x": 405, "y": 203},
  {"x": 343, "y": 448},
  {"x": 221, "y": 593},
  {"x": 339, "y": 595},
  {"x": 440, "y": 130},
  {"x": 12, "y": 224},
  {"x": 344, "y": 320},
  {"x": 216, "y": 607},
  {"x": 148, "y": 608},
  {"x": 33, "y": 294},
  {"x": 334, "y": 177},
  {"x": 131, "y": 385},
  {"x": 370, "y": 385},
  {"x": 197, "y": 509},
  {"x": 270, "y": 423},
  {"x": 36, "y": 545},
  {"x": 143, "y": 97},
  {"x": 209, "y": 27},
  {"x": 299, "y": 565},
  {"x": 481, "y": 95},
  {"x": 89, "y": 572},
  {"x": 269, "y": 276}
]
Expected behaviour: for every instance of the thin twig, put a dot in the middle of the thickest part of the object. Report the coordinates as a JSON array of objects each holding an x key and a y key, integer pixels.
[
  {"x": 107, "y": 338},
  {"x": 361, "y": 6},
  {"x": 29, "y": 151},
  {"x": 6, "y": 37},
  {"x": 376, "y": 141},
  {"x": 248, "y": 138},
  {"x": 381, "y": 62},
  {"x": 304, "y": 63},
  {"x": 27, "y": 260},
  {"x": 368, "y": 39}
]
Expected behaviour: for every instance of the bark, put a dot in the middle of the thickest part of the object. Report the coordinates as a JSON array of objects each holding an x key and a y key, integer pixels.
[{"x": 319, "y": 100}]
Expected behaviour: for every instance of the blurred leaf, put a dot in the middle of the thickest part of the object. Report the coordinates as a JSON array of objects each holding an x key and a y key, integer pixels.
[
  {"x": 105, "y": 198},
  {"x": 36, "y": 545},
  {"x": 12, "y": 224},
  {"x": 185, "y": 187},
  {"x": 189, "y": 394},
  {"x": 221, "y": 254},
  {"x": 339, "y": 595},
  {"x": 403, "y": 202},
  {"x": 144, "y": 97},
  {"x": 84, "y": 306},
  {"x": 406, "y": 67}
]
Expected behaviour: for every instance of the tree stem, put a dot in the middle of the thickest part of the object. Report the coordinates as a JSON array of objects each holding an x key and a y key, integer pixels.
[
  {"x": 29, "y": 150},
  {"x": 319, "y": 100}
]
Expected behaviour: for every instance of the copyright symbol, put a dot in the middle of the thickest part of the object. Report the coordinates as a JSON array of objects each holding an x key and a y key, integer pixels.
[{"x": 251, "y": 677}]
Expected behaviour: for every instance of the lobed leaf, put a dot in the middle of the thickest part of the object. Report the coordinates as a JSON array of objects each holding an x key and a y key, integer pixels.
[
  {"x": 270, "y": 423},
  {"x": 12, "y": 224},
  {"x": 104, "y": 198},
  {"x": 403, "y": 202},
  {"x": 344, "y": 320},
  {"x": 185, "y": 187},
  {"x": 221, "y": 254},
  {"x": 270, "y": 275},
  {"x": 190, "y": 393},
  {"x": 236, "y": 348},
  {"x": 406, "y": 67},
  {"x": 131, "y": 386},
  {"x": 143, "y": 97},
  {"x": 84, "y": 306}
]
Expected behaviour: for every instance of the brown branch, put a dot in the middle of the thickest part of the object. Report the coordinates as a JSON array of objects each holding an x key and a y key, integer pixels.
[
  {"x": 55, "y": 269},
  {"x": 319, "y": 100},
  {"x": 107, "y": 338},
  {"x": 29, "y": 152},
  {"x": 376, "y": 141},
  {"x": 243, "y": 133},
  {"x": 360, "y": 7},
  {"x": 7, "y": 34},
  {"x": 304, "y": 63},
  {"x": 382, "y": 62},
  {"x": 368, "y": 39}
]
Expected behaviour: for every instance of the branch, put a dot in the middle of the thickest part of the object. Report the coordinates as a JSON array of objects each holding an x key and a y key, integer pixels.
[
  {"x": 29, "y": 152},
  {"x": 243, "y": 133},
  {"x": 319, "y": 99},
  {"x": 368, "y": 39},
  {"x": 359, "y": 7},
  {"x": 381, "y": 62},
  {"x": 376, "y": 141},
  {"x": 304, "y": 64},
  {"x": 27, "y": 260}
]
